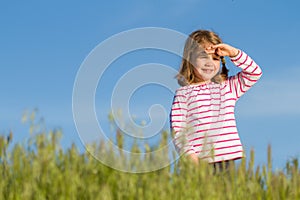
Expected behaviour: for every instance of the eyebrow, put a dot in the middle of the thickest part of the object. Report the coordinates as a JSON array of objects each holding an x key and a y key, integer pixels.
[{"x": 202, "y": 54}]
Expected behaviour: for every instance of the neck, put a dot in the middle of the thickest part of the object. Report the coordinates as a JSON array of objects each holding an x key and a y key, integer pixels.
[{"x": 199, "y": 81}]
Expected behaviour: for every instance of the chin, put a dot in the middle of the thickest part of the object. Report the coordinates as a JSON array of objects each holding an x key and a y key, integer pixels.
[{"x": 206, "y": 79}]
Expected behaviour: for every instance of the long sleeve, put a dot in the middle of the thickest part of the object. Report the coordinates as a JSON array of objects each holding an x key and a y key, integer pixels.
[
  {"x": 178, "y": 120},
  {"x": 245, "y": 79}
]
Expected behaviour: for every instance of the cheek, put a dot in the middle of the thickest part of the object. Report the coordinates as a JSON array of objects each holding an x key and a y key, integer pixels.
[
  {"x": 197, "y": 63},
  {"x": 196, "y": 71},
  {"x": 217, "y": 64}
]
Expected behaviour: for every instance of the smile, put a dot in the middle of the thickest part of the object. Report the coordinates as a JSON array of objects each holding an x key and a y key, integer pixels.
[{"x": 207, "y": 70}]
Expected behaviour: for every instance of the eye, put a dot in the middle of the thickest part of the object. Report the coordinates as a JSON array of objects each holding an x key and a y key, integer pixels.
[
  {"x": 203, "y": 57},
  {"x": 216, "y": 57}
]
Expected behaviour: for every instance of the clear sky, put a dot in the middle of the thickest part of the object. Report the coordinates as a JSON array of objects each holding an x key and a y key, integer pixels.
[{"x": 43, "y": 44}]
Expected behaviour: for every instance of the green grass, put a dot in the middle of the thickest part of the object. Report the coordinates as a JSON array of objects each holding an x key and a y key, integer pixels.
[{"x": 41, "y": 169}]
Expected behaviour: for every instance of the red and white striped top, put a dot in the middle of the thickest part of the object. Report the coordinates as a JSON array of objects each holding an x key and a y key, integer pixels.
[{"x": 202, "y": 116}]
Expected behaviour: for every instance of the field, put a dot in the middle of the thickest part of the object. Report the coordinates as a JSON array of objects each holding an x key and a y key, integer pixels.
[{"x": 41, "y": 169}]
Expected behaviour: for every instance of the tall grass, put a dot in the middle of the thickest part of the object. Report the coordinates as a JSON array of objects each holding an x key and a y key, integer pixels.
[{"x": 42, "y": 169}]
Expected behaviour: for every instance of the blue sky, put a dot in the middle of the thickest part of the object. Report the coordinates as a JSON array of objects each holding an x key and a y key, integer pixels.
[{"x": 43, "y": 45}]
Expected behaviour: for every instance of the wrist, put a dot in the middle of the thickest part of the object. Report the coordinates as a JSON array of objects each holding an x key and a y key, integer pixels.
[{"x": 234, "y": 53}]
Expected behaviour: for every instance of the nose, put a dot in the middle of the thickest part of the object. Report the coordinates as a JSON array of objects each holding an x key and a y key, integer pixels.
[{"x": 209, "y": 63}]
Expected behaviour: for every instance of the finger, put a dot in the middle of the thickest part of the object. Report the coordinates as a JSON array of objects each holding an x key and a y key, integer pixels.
[
  {"x": 221, "y": 45},
  {"x": 217, "y": 52},
  {"x": 210, "y": 49}
]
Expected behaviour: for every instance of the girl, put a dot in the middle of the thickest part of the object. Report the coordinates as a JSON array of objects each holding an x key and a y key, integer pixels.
[{"x": 202, "y": 115}]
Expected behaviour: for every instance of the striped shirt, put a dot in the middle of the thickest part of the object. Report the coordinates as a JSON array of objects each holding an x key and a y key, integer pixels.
[{"x": 202, "y": 116}]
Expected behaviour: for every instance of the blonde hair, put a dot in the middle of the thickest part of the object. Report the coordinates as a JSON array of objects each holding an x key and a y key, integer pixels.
[{"x": 192, "y": 49}]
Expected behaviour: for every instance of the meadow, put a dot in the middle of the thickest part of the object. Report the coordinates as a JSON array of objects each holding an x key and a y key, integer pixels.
[{"x": 40, "y": 168}]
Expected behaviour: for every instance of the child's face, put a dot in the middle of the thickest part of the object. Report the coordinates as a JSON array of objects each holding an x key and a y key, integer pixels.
[{"x": 206, "y": 66}]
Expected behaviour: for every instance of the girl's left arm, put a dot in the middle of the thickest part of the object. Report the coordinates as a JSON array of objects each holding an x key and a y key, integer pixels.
[{"x": 245, "y": 79}]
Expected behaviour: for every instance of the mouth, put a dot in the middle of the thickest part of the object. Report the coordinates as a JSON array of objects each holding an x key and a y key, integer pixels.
[{"x": 208, "y": 71}]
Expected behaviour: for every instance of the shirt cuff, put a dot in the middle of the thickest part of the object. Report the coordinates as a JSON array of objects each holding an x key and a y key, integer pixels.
[{"x": 237, "y": 57}]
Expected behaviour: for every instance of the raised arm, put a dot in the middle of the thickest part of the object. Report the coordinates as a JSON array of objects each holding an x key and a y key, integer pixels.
[
  {"x": 250, "y": 73},
  {"x": 245, "y": 79}
]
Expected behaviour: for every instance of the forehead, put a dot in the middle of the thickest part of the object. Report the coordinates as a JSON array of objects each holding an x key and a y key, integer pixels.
[
  {"x": 202, "y": 53},
  {"x": 206, "y": 44}
]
